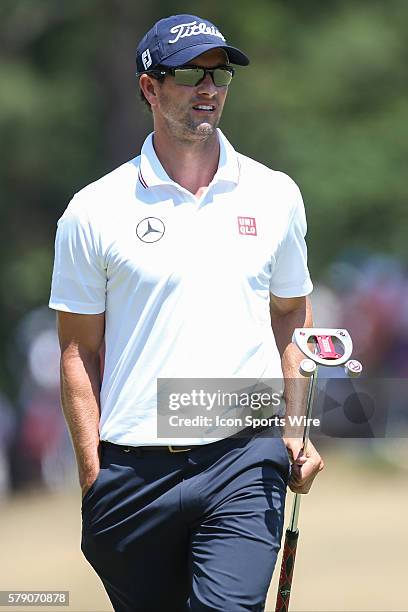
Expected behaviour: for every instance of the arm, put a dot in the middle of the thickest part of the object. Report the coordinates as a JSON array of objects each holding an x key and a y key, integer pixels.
[
  {"x": 286, "y": 315},
  {"x": 81, "y": 337}
]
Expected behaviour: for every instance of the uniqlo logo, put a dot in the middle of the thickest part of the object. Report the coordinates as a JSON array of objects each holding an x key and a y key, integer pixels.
[{"x": 247, "y": 226}]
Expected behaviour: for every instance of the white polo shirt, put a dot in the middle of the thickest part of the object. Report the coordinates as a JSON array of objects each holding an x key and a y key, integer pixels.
[{"x": 184, "y": 282}]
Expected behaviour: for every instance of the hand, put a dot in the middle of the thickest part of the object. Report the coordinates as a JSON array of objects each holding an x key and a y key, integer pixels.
[
  {"x": 305, "y": 466},
  {"x": 87, "y": 481}
]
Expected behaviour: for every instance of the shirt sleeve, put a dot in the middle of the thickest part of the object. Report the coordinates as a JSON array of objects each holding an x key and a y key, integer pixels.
[
  {"x": 290, "y": 274},
  {"x": 79, "y": 275}
]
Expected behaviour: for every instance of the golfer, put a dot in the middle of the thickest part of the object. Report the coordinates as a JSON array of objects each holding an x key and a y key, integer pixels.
[{"x": 188, "y": 261}]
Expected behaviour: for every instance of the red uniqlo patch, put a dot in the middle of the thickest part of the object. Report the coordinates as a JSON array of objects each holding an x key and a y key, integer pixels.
[{"x": 247, "y": 226}]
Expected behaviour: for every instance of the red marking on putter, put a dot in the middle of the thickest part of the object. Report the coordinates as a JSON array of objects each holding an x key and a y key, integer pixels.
[
  {"x": 247, "y": 226},
  {"x": 286, "y": 575},
  {"x": 326, "y": 348}
]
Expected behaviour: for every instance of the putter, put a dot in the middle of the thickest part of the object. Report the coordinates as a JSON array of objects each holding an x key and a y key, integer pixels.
[{"x": 325, "y": 354}]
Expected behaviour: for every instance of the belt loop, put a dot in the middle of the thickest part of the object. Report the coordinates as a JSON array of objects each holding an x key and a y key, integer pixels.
[{"x": 101, "y": 448}]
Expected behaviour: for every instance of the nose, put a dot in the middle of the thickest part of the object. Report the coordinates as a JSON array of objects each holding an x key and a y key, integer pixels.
[{"x": 207, "y": 87}]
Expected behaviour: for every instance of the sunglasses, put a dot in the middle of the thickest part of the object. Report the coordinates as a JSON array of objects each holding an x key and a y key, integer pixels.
[{"x": 193, "y": 75}]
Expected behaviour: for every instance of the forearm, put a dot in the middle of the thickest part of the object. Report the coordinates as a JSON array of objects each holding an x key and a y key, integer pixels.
[
  {"x": 80, "y": 384},
  {"x": 286, "y": 316},
  {"x": 283, "y": 325}
]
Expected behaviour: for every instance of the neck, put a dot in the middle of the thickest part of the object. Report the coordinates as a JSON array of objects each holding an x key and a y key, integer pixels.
[{"x": 190, "y": 164}]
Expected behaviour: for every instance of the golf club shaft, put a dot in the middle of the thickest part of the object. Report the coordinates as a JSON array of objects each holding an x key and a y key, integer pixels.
[
  {"x": 292, "y": 533},
  {"x": 306, "y": 433}
]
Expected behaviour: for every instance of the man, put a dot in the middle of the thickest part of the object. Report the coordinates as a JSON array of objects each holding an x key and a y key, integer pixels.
[{"x": 173, "y": 261}]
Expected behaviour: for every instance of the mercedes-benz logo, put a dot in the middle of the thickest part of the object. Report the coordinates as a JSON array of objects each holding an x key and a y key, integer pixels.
[{"x": 150, "y": 229}]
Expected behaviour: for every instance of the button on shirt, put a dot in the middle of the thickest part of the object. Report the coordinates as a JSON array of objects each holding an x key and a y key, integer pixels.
[{"x": 184, "y": 282}]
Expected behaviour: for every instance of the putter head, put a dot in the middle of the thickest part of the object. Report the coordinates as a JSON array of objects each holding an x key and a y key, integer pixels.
[{"x": 326, "y": 353}]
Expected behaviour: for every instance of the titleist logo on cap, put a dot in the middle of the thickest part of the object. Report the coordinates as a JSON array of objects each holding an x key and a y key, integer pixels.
[{"x": 193, "y": 28}]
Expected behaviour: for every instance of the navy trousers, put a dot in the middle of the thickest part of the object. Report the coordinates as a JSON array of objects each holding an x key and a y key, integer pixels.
[{"x": 194, "y": 531}]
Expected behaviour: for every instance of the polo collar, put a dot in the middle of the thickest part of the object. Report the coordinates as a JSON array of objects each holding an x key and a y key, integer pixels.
[
  {"x": 152, "y": 173},
  {"x": 228, "y": 166}
]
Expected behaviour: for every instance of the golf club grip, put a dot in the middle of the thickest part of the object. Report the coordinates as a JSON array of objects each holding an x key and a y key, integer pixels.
[{"x": 286, "y": 575}]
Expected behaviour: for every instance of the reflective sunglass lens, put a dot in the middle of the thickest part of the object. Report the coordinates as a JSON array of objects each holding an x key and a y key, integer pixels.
[
  {"x": 193, "y": 76},
  {"x": 188, "y": 76},
  {"x": 222, "y": 77}
]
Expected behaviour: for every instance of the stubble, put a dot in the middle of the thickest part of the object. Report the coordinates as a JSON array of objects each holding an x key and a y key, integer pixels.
[{"x": 182, "y": 125}]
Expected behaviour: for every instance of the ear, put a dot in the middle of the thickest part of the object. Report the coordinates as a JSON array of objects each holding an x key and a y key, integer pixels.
[{"x": 149, "y": 86}]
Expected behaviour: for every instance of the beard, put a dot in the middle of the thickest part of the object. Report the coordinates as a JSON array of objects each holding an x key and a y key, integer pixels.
[{"x": 183, "y": 125}]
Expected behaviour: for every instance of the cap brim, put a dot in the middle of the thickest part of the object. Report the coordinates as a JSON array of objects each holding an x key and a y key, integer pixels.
[{"x": 183, "y": 56}]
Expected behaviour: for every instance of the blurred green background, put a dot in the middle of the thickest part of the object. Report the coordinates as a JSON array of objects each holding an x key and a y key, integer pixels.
[{"x": 325, "y": 100}]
